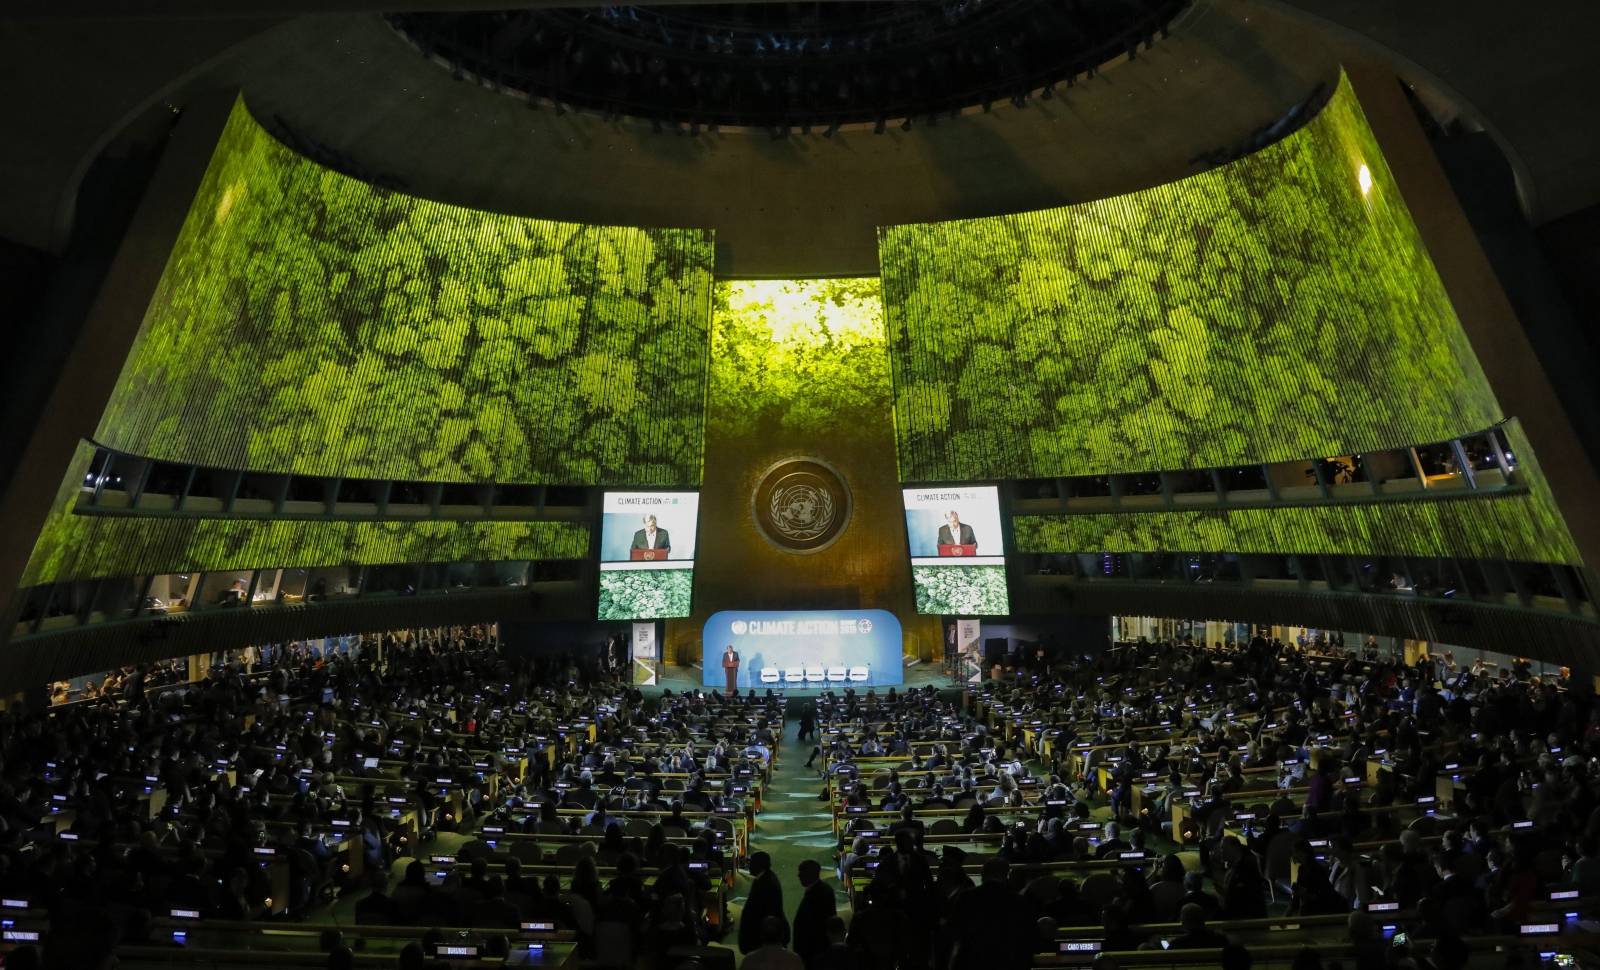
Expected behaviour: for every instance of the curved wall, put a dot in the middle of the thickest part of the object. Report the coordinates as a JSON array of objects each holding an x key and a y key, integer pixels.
[
  {"x": 78, "y": 546},
  {"x": 1512, "y": 527},
  {"x": 1518, "y": 524},
  {"x": 1280, "y": 306},
  {"x": 311, "y": 323}
]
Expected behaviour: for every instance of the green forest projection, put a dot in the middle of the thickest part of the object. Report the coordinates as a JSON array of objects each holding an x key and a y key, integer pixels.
[
  {"x": 961, "y": 590},
  {"x": 645, "y": 594},
  {"x": 1486, "y": 528},
  {"x": 1522, "y": 526},
  {"x": 1280, "y": 306},
  {"x": 311, "y": 323},
  {"x": 75, "y": 547},
  {"x": 797, "y": 357}
]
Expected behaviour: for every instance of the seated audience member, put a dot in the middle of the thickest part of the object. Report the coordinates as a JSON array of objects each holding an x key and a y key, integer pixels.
[{"x": 1196, "y": 935}]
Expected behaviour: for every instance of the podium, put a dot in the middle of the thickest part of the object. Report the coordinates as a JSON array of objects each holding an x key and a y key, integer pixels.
[
  {"x": 952, "y": 549},
  {"x": 656, "y": 555}
]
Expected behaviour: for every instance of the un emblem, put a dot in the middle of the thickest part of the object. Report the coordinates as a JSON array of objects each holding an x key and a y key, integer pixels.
[{"x": 801, "y": 505}]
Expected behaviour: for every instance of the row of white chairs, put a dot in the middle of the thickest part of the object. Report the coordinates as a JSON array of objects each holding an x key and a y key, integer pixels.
[{"x": 814, "y": 675}]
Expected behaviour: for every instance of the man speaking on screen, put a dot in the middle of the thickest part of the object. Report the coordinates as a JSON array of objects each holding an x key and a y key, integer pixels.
[
  {"x": 955, "y": 532},
  {"x": 652, "y": 538}
]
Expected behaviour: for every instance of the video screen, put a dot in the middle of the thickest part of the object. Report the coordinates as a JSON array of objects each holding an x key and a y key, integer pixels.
[
  {"x": 647, "y": 554},
  {"x": 958, "y": 564},
  {"x": 801, "y": 650}
]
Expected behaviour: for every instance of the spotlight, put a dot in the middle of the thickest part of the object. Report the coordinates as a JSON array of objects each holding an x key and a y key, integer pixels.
[
  {"x": 877, "y": 129},
  {"x": 906, "y": 124}
]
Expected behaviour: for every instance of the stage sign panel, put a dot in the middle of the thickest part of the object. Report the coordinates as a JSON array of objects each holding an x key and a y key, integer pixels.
[
  {"x": 647, "y": 554},
  {"x": 958, "y": 564},
  {"x": 969, "y": 646},
  {"x": 644, "y": 654},
  {"x": 808, "y": 649}
]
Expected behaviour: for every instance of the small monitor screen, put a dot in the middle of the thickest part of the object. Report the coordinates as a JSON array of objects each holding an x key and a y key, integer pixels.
[
  {"x": 647, "y": 542},
  {"x": 958, "y": 565}
]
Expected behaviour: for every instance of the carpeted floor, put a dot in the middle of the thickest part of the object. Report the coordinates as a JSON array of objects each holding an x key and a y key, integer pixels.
[{"x": 793, "y": 826}]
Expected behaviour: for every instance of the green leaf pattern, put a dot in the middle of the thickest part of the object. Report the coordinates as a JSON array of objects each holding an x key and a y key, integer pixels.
[
  {"x": 311, "y": 323},
  {"x": 1521, "y": 526},
  {"x": 645, "y": 594},
  {"x": 961, "y": 590},
  {"x": 1262, "y": 311}
]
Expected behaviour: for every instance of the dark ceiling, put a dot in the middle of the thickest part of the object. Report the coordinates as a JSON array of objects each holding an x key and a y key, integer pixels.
[
  {"x": 784, "y": 64},
  {"x": 78, "y": 73}
]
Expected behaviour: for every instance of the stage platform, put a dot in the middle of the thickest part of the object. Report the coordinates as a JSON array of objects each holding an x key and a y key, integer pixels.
[{"x": 676, "y": 679}]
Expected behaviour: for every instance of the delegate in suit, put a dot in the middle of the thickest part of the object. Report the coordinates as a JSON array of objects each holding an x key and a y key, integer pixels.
[
  {"x": 651, "y": 537},
  {"x": 956, "y": 533}
]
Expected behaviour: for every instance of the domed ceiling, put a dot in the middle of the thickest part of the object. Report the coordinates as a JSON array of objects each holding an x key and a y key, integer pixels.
[
  {"x": 789, "y": 64},
  {"x": 354, "y": 93}
]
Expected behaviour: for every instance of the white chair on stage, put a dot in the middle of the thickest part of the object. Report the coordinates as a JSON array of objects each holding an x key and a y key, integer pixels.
[
  {"x": 815, "y": 675},
  {"x": 794, "y": 675},
  {"x": 769, "y": 675},
  {"x": 837, "y": 675},
  {"x": 858, "y": 674}
]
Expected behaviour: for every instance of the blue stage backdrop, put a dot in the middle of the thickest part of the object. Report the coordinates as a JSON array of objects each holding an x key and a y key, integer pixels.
[{"x": 806, "y": 649}]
